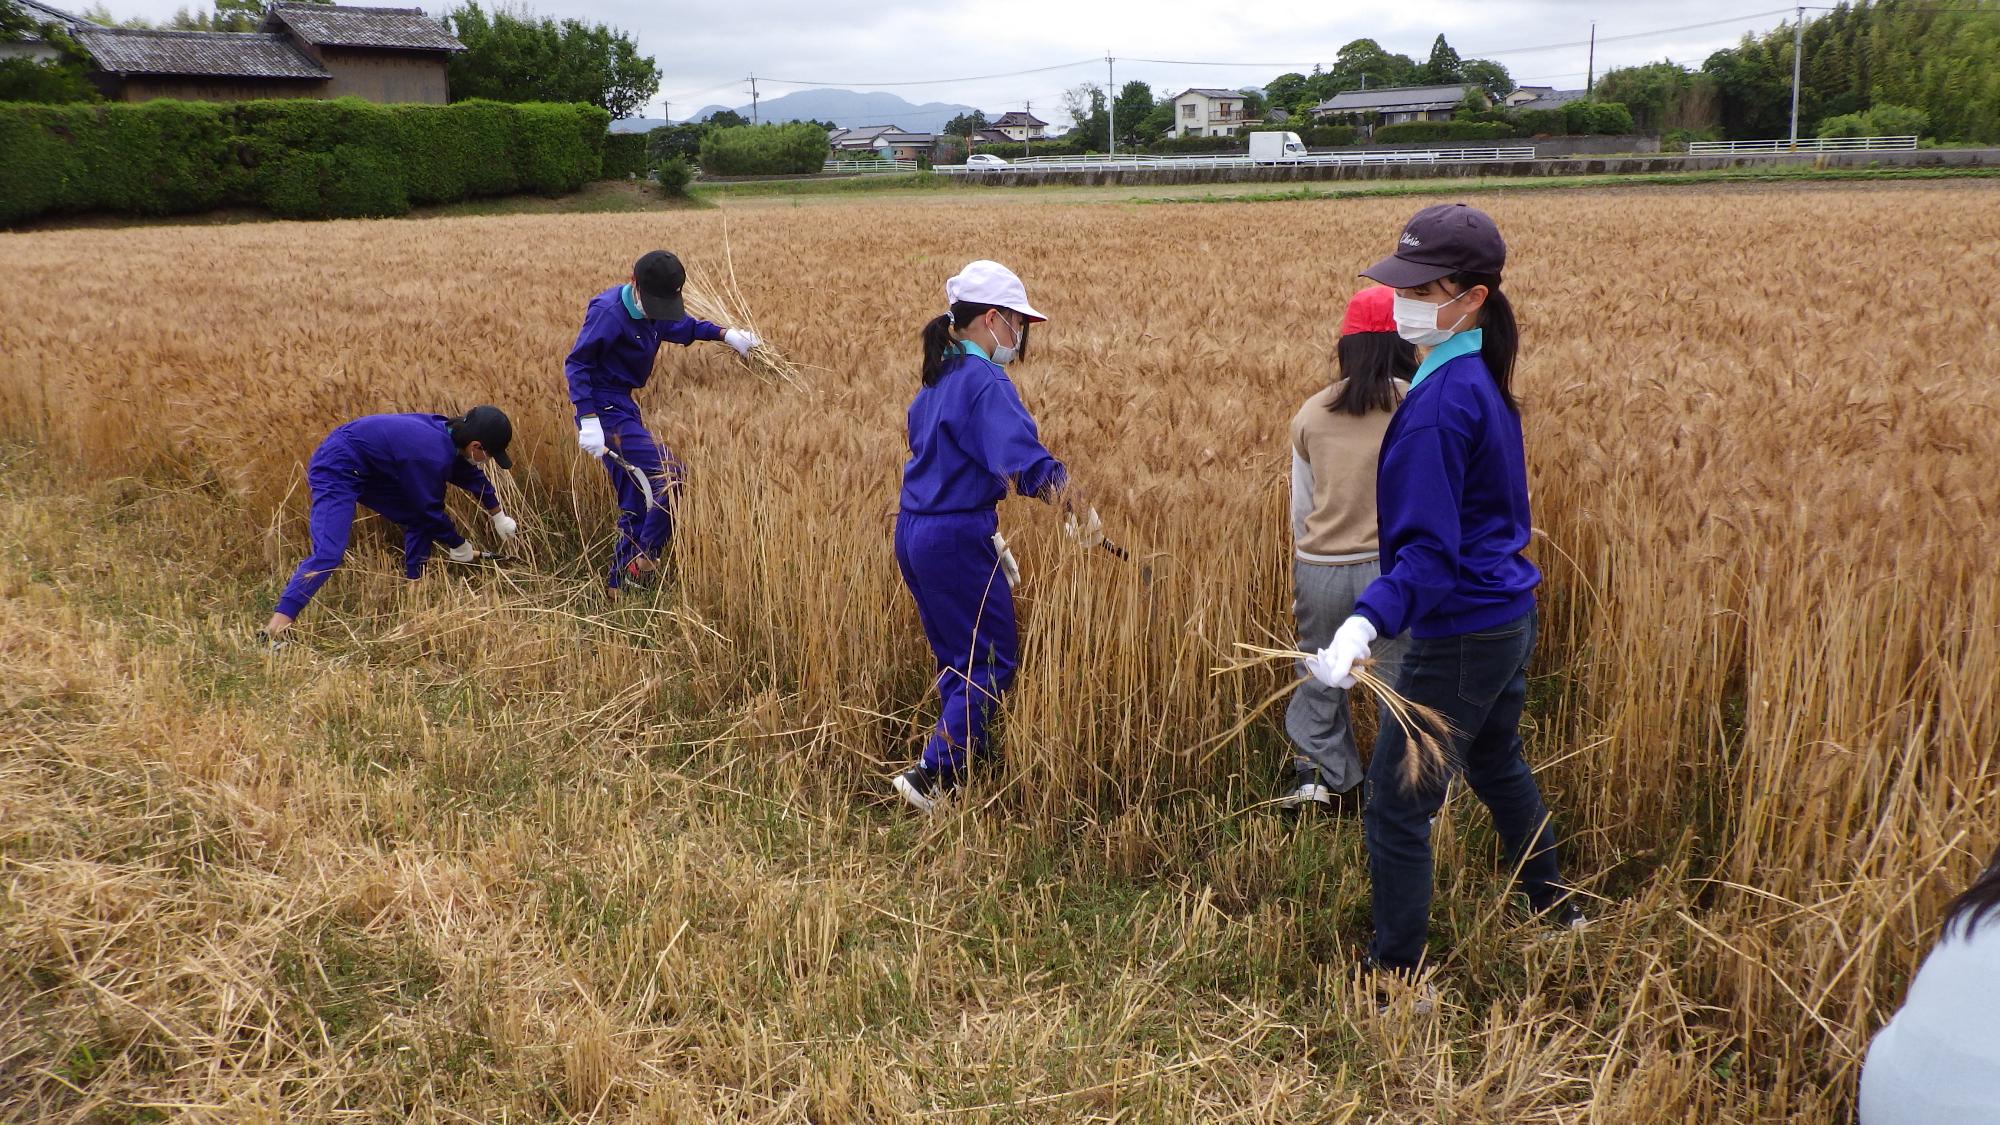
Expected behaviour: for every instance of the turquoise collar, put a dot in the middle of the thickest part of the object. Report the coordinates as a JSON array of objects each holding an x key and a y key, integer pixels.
[
  {"x": 971, "y": 348},
  {"x": 631, "y": 300},
  {"x": 1464, "y": 343}
]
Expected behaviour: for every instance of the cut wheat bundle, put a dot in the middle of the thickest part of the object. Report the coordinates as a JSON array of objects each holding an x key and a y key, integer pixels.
[
  {"x": 1430, "y": 734},
  {"x": 722, "y": 302}
]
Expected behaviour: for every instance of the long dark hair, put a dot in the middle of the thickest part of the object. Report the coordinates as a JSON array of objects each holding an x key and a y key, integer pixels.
[
  {"x": 1980, "y": 899},
  {"x": 1370, "y": 364},
  {"x": 938, "y": 344},
  {"x": 1502, "y": 334}
]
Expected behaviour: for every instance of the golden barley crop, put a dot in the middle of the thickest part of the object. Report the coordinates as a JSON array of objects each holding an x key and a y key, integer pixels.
[{"x": 486, "y": 848}]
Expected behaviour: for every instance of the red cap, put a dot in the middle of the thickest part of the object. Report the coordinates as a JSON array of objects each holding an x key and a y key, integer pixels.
[{"x": 1371, "y": 310}]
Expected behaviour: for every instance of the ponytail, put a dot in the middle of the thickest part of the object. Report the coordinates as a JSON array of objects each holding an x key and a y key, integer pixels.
[
  {"x": 1501, "y": 335},
  {"x": 938, "y": 342}
]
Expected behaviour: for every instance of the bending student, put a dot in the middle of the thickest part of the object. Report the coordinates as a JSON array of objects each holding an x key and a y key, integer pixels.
[
  {"x": 1336, "y": 439},
  {"x": 1938, "y": 1061},
  {"x": 623, "y": 328},
  {"x": 398, "y": 465},
  {"x": 1452, "y": 498}
]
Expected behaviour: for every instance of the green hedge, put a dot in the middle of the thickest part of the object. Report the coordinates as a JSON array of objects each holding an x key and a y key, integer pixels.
[
  {"x": 1314, "y": 136},
  {"x": 624, "y": 155},
  {"x": 764, "y": 150},
  {"x": 299, "y": 158},
  {"x": 1425, "y": 132}
]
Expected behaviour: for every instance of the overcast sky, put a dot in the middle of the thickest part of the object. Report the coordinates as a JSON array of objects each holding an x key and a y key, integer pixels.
[{"x": 704, "y": 51}]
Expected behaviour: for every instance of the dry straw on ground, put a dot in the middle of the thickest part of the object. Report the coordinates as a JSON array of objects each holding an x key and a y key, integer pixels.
[{"x": 485, "y": 849}]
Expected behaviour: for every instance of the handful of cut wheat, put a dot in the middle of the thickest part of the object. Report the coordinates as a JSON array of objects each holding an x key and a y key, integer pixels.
[
  {"x": 1428, "y": 759},
  {"x": 722, "y": 302}
]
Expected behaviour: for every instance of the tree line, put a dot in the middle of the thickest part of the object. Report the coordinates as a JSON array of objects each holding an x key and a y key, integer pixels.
[{"x": 1895, "y": 67}]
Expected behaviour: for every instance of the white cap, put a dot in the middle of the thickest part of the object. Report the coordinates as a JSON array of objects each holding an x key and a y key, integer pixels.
[{"x": 990, "y": 283}]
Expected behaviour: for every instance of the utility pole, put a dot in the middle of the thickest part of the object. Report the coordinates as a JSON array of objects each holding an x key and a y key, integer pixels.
[
  {"x": 1590, "y": 71},
  {"x": 1798, "y": 56},
  {"x": 1111, "y": 104},
  {"x": 753, "y": 101},
  {"x": 667, "y": 108},
  {"x": 1027, "y": 131}
]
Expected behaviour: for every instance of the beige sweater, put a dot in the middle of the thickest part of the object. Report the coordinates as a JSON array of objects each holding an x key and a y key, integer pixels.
[{"x": 1333, "y": 481}]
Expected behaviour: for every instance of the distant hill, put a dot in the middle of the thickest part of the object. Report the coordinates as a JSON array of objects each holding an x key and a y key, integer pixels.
[{"x": 849, "y": 109}]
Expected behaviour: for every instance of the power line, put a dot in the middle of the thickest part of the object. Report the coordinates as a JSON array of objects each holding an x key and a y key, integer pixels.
[
  {"x": 1506, "y": 50},
  {"x": 940, "y": 81}
]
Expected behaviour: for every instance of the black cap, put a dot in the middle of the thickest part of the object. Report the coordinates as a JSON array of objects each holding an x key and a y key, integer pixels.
[
  {"x": 487, "y": 425},
  {"x": 1442, "y": 240},
  {"x": 658, "y": 276}
]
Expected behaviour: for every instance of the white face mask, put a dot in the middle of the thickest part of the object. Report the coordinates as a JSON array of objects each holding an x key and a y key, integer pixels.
[
  {"x": 1416, "y": 321},
  {"x": 1008, "y": 353}
]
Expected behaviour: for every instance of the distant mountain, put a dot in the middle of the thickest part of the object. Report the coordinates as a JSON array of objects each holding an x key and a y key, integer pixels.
[{"x": 850, "y": 109}]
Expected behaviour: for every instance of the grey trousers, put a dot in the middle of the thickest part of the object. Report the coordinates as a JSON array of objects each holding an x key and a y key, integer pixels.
[{"x": 1318, "y": 721}]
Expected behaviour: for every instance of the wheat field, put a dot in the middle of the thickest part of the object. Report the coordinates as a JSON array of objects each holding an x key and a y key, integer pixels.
[{"x": 487, "y": 848}]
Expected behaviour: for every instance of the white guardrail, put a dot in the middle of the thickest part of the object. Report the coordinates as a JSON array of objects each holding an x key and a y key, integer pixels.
[
  {"x": 868, "y": 167},
  {"x": 1077, "y": 163},
  {"x": 1783, "y": 147}
]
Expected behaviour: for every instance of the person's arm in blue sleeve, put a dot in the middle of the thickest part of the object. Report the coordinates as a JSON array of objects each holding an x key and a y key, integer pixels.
[
  {"x": 1000, "y": 435},
  {"x": 583, "y": 358},
  {"x": 687, "y": 330},
  {"x": 468, "y": 477},
  {"x": 1429, "y": 462},
  {"x": 423, "y": 485}
]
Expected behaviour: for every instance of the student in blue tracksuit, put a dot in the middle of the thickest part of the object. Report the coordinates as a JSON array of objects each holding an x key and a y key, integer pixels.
[
  {"x": 1452, "y": 500},
  {"x": 623, "y": 328},
  {"x": 398, "y": 465},
  {"x": 970, "y": 439}
]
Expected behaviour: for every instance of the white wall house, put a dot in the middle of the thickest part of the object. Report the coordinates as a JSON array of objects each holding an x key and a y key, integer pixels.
[
  {"x": 1207, "y": 112},
  {"x": 1021, "y": 126}
]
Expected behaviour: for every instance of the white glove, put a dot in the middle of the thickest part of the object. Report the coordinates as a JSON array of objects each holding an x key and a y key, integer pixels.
[
  {"x": 463, "y": 553},
  {"x": 741, "y": 340},
  {"x": 1334, "y": 664},
  {"x": 590, "y": 435},
  {"x": 1008, "y": 566},
  {"x": 505, "y": 526},
  {"x": 1087, "y": 532}
]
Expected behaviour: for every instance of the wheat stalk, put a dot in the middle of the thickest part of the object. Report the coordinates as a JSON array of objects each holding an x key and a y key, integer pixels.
[{"x": 1430, "y": 734}]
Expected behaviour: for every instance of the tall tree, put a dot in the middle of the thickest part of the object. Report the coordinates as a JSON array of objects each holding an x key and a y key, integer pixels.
[
  {"x": 1135, "y": 101},
  {"x": 513, "y": 57},
  {"x": 966, "y": 124},
  {"x": 726, "y": 119},
  {"x": 1488, "y": 75},
  {"x": 1288, "y": 90},
  {"x": 1087, "y": 109},
  {"x": 1365, "y": 63},
  {"x": 1444, "y": 65}
]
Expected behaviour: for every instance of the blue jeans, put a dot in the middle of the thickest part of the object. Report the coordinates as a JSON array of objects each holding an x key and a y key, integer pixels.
[{"x": 1479, "y": 682}]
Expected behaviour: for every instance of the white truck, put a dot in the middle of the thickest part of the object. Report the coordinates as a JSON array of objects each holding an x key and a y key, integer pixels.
[{"x": 1275, "y": 147}]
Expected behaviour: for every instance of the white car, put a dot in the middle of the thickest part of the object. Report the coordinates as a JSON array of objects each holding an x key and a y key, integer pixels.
[{"x": 984, "y": 160}]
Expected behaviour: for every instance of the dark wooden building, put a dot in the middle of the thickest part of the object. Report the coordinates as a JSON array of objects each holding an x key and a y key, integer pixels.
[{"x": 389, "y": 55}]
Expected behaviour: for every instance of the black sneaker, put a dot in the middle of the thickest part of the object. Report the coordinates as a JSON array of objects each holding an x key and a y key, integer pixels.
[
  {"x": 1565, "y": 919},
  {"x": 1394, "y": 987},
  {"x": 924, "y": 787}
]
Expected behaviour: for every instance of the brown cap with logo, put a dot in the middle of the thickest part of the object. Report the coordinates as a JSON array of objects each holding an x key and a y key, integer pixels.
[{"x": 1440, "y": 241}]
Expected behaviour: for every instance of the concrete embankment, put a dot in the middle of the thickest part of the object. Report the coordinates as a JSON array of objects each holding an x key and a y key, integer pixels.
[{"x": 1524, "y": 169}]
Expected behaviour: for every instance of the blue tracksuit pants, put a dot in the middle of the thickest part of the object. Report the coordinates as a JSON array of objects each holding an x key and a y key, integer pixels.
[
  {"x": 336, "y": 477},
  {"x": 952, "y": 569},
  {"x": 645, "y": 527}
]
